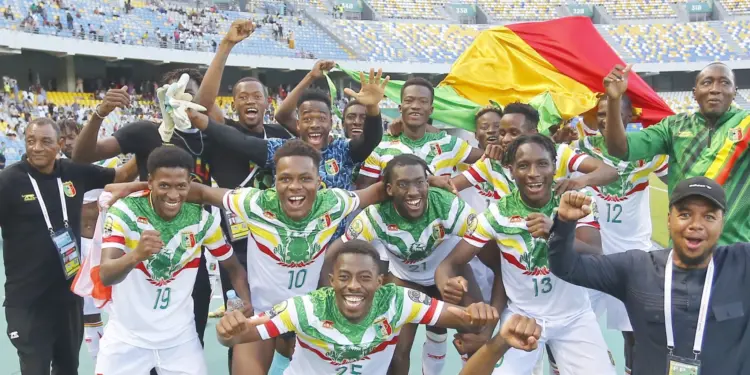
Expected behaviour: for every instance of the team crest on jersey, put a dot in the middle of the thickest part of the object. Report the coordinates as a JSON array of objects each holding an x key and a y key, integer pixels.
[
  {"x": 355, "y": 229},
  {"x": 436, "y": 149},
  {"x": 332, "y": 167},
  {"x": 382, "y": 328},
  {"x": 392, "y": 227},
  {"x": 69, "y": 189},
  {"x": 438, "y": 231},
  {"x": 142, "y": 220},
  {"x": 516, "y": 219},
  {"x": 327, "y": 324},
  {"x": 277, "y": 309},
  {"x": 188, "y": 239},
  {"x": 735, "y": 135},
  {"x": 269, "y": 215},
  {"x": 324, "y": 222}
]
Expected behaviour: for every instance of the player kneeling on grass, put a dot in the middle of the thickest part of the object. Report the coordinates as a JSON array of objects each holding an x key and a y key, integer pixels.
[
  {"x": 151, "y": 247},
  {"x": 353, "y": 326}
]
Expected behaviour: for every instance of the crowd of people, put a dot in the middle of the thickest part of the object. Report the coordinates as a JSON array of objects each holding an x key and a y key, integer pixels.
[{"x": 338, "y": 247}]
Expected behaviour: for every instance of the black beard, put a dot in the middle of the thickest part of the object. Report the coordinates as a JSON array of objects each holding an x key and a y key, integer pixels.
[{"x": 693, "y": 262}]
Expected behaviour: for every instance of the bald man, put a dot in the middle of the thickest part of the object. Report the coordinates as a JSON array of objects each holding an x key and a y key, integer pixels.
[{"x": 711, "y": 142}]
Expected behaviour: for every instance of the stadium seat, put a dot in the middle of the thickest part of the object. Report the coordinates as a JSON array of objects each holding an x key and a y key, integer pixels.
[
  {"x": 740, "y": 31},
  {"x": 410, "y": 9},
  {"x": 520, "y": 9},
  {"x": 737, "y": 7},
  {"x": 658, "y": 43},
  {"x": 680, "y": 101},
  {"x": 638, "y": 9}
]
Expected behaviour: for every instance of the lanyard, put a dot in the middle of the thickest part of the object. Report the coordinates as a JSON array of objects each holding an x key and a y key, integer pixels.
[
  {"x": 44, "y": 207},
  {"x": 703, "y": 312}
]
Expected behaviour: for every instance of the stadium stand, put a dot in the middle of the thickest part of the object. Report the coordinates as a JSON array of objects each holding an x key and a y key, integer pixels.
[
  {"x": 638, "y": 9},
  {"x": 680, "y": 101},
  {"x": 737, "y": 7},
  {"x": 659, "y": 43},
  {"x": 520, "y": 10},
  {"x": 740, "y": 31},
  {"x": 389, "y": 41},
  {"x": 140, "y": 27},
  {"x": 409, "y": 9}
]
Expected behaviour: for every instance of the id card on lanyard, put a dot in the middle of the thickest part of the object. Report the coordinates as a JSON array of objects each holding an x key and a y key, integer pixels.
[
  {"x": 64, "y": 239},
  {"x": 677, "y": 365}
]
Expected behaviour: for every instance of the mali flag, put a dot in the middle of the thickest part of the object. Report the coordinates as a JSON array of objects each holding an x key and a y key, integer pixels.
[{"x": 556, "y": 66}]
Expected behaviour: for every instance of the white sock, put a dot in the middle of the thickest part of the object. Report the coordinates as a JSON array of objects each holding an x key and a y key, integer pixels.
[
  {"x": 92, "y": 333},
  {"x": 433, "y": 353}
]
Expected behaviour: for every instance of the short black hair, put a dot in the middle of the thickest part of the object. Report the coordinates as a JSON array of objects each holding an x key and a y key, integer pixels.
[
  {"x": 418, "y": 81},
  {"x": 44, "y": 121},
  {"x": 251, "y": 79},
  {"x": 625, "y": 101},
  {"x": 315, "y": 95},
  {"x": 169, "y": 157},
  {"x": 490, "y": 108},
  {"x": 351, "y": 103},
  {"x": 297, "y": 147},
  {"x": 400, "y": 161},
  {"x": 358, "y": 247},
  {"x": 529, "y": 112},
  {"x": 716, "y": 63},
  {"x": 546, "y": 142},
  {"x": 69, "y": 125},
  {"x": 175, "y": 74}
]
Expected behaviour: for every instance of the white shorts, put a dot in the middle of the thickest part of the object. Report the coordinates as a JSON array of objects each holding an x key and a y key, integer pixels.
[
  {"x": 577, "y": 345},
  {"x": 484, "y": 277},
  {"x": 118, "y": 358},
  {"x": 89, "y": 307}
]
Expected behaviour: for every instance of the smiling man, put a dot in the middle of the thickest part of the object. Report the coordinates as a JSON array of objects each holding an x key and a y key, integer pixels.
[
  {"x": 711, "y": 142},
  {"x": 706, "y": 322},
  {"x": 408, "y": 230},
  {"x": 151, "y": 249},
  {"x": 522, "y": 119},
  {"x": 353, "y": 326},
  {"x": 520, "y": 224}
]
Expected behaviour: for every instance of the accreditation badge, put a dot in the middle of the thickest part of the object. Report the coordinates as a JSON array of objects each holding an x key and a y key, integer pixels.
[
  {"x": 682, "y": 366},
  {"x": 238, "y": 229},
  {"x": 67, "y": 250}
]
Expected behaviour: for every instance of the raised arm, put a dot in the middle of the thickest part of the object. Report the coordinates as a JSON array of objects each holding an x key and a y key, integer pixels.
[
  {"x": 230, "y": 139},
  {"x": 448, "y": 276},
  {"x": 88, "y": 147},
  {"x": 127, "y": 172},
  {"x": 518, "y": 332},
  {"x": 375, "y": 193},
  {"x": 370, "y": 95},
  {"x": 615, "y": 85},
  {"x": 606, "y": 273},
  {"x": 209, "y": 89},
  {"x": 285, "y": 114}
]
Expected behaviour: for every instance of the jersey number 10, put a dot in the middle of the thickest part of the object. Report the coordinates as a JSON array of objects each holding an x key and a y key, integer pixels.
[{"x": 297, "y": 279}]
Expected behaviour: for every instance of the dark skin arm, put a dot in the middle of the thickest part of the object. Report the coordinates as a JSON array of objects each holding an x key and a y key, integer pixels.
[
  {"x": 88, "y": 147},
  {"x": 128, "y": 172},
  {"x": 209, "y": 89},
  {"x": 285, "y": 114},
  {"x": 244, "y": 146},
  {"x": 238, "y": 276},
  {"x": 615, "y": 85}
]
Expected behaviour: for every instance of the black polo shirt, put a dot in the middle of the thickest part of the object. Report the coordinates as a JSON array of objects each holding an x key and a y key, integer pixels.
[
  {"x": 33, "y": 270},
  {"x": 142, "y": 137}
]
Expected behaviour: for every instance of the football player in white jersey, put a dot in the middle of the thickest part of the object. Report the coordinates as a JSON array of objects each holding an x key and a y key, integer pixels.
[
  {"x": 353, "y": 326},
  {"x": 625, "y": 213},
  {"x": 520, "y": 223}
]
